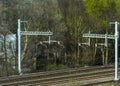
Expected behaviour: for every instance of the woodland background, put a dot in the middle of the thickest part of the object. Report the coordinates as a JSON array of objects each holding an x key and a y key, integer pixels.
[{"x": 68, "y": 20}]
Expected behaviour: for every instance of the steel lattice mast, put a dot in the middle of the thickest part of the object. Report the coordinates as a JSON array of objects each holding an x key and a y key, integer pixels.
[
  {"x": 20, "y": 33},
  {"x": 106, "y": 36}
]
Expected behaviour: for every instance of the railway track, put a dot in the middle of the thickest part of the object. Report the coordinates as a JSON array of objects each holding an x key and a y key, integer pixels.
[{"x": 82, "y": 75}]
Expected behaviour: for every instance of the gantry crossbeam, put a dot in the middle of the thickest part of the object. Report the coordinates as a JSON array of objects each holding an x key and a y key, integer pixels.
[{"x": 98, "y": 36}]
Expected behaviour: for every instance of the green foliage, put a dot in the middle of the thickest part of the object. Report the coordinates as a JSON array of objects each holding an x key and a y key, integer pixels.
[
  {"x": 10, "y": 71},
  {"x": 51, "y": 67},
  {"x": 100, "y": 8},
  {"x": 68, "y": 20}
]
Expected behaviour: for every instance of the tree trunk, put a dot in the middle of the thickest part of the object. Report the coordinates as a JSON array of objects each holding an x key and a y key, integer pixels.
[
  {"x": 103, "y": 56},
  {"x": 6, "y": 58},
  {"x": 25, "y": 46},
  {"x": 106, "y": 60}
]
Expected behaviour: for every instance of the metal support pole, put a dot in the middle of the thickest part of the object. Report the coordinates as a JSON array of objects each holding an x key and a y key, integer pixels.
[
  {"x": 19, "y": 47},
  {"x": 116, "y": 51},
  {"x": 49, "y": 39},
  {"x": 106, "y": 41}
]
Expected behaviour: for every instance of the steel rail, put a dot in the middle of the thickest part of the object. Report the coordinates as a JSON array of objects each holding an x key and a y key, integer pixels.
[{"x": 55, "y": 75}]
